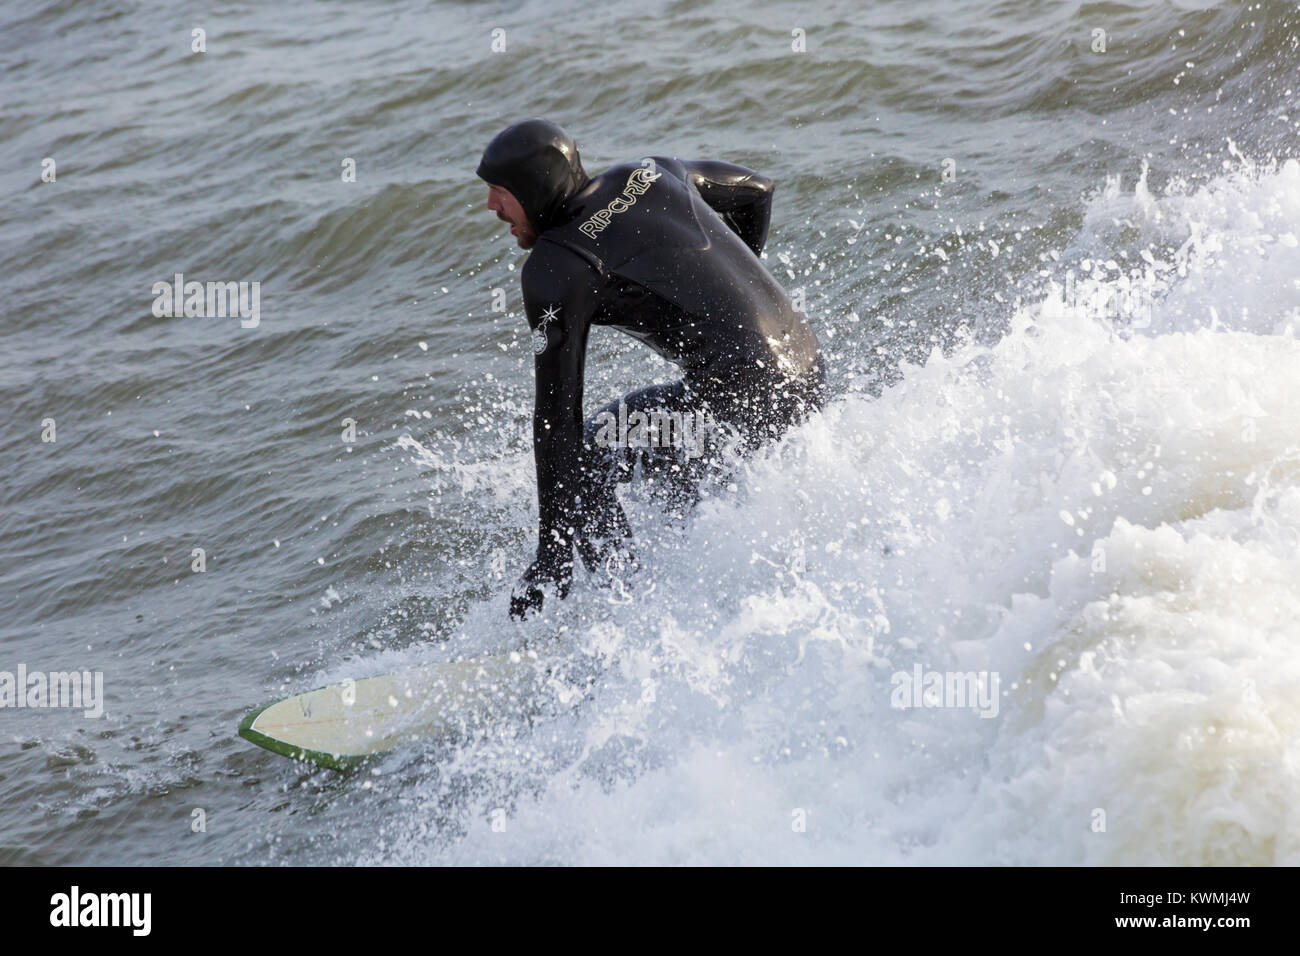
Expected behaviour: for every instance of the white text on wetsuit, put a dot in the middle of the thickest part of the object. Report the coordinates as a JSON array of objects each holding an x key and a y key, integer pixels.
[{"x": 637, "y": 183}]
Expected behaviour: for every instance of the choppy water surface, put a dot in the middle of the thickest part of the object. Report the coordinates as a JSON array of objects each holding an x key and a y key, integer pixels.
[{"x": 1065, "y": 443}]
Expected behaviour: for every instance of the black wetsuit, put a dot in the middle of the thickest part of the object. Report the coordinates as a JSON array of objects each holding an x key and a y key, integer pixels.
[{"x": 665, "y": 250}]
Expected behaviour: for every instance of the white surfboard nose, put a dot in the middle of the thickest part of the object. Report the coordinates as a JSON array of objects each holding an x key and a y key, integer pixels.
[{"x": 345, "y": 724}]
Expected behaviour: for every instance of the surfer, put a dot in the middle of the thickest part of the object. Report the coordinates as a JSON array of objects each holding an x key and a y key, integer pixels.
[{"x": 665, "y": 250}]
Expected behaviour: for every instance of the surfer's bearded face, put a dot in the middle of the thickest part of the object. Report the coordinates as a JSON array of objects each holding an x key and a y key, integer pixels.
[{"x": 507, "y": 208}]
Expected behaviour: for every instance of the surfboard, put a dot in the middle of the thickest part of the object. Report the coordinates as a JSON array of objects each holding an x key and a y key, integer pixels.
[{"x": 347, "y": 724}]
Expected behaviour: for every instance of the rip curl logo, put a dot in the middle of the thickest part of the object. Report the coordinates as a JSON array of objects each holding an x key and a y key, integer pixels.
[
  {"x": 539, "y": 333},
  {"x": 637, "y": 183}
]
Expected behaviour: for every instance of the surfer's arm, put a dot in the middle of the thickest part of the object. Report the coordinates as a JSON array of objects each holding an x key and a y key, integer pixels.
[
  {"x": 741, "y": 196},
  {"x": 559, "y": 300}
]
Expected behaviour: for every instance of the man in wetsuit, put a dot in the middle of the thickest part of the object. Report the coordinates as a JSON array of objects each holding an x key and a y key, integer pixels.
[{"x": 665, "y": 250}]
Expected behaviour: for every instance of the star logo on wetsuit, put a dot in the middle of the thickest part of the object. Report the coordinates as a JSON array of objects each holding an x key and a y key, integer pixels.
[{"x": 539, "y": 333}]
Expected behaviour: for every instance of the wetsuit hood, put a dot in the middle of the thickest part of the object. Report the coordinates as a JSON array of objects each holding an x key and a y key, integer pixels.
[{"x": 539, "y": 163}]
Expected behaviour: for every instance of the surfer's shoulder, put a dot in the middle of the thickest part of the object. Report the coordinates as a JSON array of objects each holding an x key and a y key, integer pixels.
[
  {"x": 670, "y": 164},
  {"x": 554, "y": 269}
]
